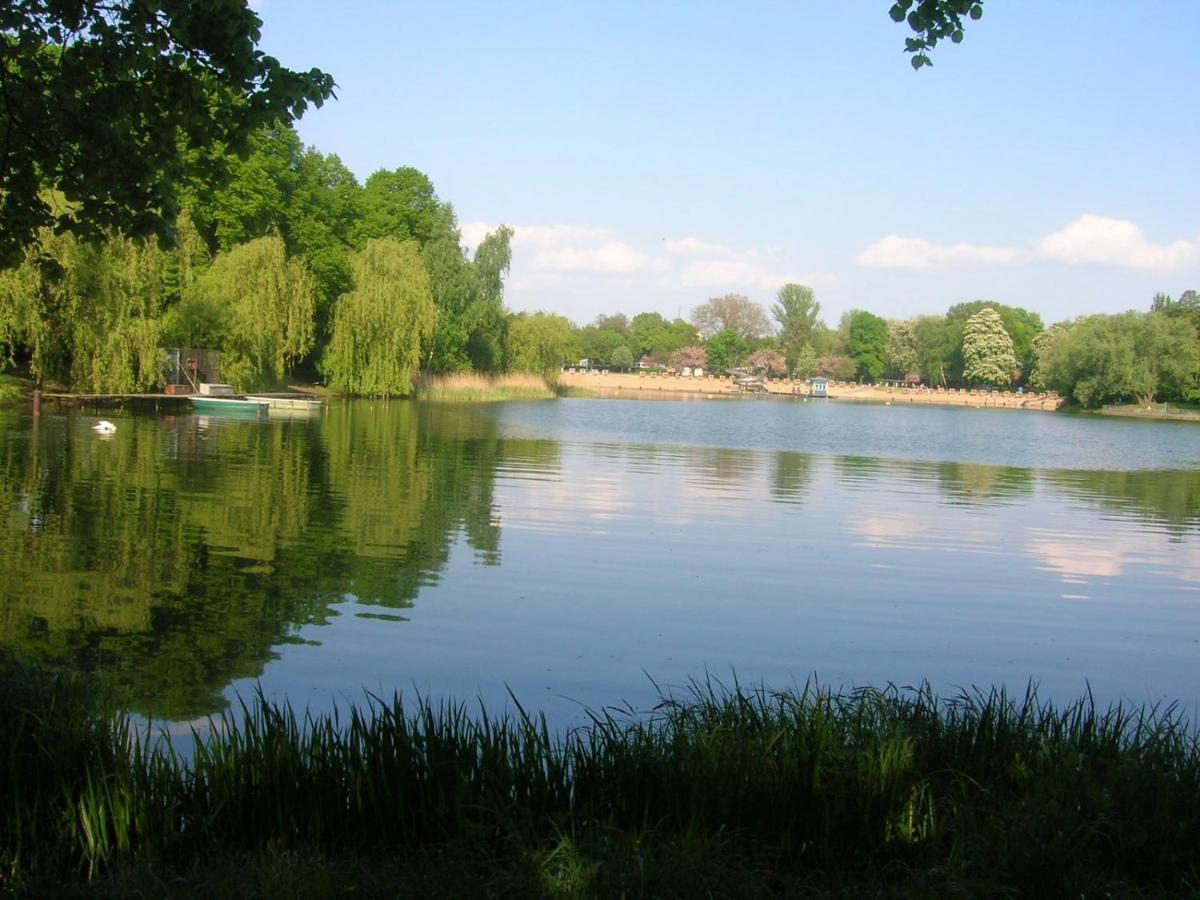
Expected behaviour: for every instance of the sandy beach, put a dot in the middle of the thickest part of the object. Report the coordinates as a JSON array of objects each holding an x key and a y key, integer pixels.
[{"x": 617, "y": 384}]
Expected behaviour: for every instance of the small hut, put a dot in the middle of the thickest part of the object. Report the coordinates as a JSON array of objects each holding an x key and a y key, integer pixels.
[
  {"x": 187, "y": 367},
  {"x": 818, "y": 387}
]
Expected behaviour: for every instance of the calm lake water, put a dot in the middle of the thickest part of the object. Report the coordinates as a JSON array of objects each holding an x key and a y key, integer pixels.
[{"x": 573, "y": 550}]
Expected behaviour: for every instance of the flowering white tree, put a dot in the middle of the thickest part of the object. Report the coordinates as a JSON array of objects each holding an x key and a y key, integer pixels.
[{"x": 988, "y": 356}]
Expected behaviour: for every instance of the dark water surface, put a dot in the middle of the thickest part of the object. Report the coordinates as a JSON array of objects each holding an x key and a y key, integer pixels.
[{"x": 572, "y": 550}]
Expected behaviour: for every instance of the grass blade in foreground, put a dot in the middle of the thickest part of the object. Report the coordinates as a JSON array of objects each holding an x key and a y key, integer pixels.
[{"x": 734, "y": 791}]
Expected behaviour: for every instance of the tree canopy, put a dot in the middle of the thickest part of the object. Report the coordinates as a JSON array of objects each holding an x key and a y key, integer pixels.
[
  {"x": 116, "y": 104},
  {"x": 726, "y": 349},
  {"x": 868, "y": 344},
  {"x": 734, "y": 312}
]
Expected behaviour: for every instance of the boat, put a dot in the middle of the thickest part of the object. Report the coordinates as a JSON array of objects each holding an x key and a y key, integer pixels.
[
  {"x": 229, "y": 406},
  {"x": 294, "y": 402}
]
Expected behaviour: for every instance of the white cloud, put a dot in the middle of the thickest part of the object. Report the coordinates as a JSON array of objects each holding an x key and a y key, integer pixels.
[
  {"x": 558, "y": 235},
  {"x": 576, "y": 269},
  {"x": 746, "y": 273},
  {"x": 611, "y": 256},
  {"x": 690, "y": 246},
  {"x": 536, "y": 236},
  {"x": 1089, "y": 240},
  {"x": 895, "y": 252},
  {"x": 1099, "y": 240}
]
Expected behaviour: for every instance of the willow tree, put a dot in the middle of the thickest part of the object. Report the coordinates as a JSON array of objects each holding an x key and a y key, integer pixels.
[
  {"x": 380, "y": 326},
  {"x": 270, "y": 306},
  {"x": 87, "y": 313},
  {"x": 539, "y": 343}
]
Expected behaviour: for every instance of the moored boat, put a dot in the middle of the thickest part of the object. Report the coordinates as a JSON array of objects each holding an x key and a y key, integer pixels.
[
  {"x": 229, "y": 405},
  {"x": 298, "y": 403}
]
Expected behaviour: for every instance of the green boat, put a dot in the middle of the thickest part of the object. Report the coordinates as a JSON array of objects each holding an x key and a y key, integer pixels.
[{"x": 229, "y": 406}]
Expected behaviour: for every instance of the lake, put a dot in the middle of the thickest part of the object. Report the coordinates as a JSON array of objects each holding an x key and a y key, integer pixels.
[{"x": 579, "y": 552}]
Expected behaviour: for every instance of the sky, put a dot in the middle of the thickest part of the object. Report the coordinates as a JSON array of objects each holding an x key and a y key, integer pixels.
[{"x": 653, "y": 155}]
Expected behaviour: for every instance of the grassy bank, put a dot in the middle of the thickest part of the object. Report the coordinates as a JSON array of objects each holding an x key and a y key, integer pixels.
[
  {"x": 1182, "y": 412},
  {"x": 472, "y": 388},
  {"x": 13, "y": 388},
  {"x": 733, "y": 792}
]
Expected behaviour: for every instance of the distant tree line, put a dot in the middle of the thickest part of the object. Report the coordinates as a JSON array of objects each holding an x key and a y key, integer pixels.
[{"x": 1096, "y": 359}]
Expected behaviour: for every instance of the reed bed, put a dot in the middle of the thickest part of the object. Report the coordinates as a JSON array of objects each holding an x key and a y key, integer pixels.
[
  {"x": 475, "y": 388},
  {"x": 741, "y": 791}
]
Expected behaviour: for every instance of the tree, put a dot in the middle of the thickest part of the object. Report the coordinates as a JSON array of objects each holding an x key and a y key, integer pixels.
[
  {"x": 658, "y": 337},
  {"x": 1169, "y": 348},
  {"x": 903, "y": 355},
  {"x": 402, "y": 204},
  {"x": 105, "y": 102},
  {"x": 486, "y": 318},
  {"x": 796, "y": 310},
  {"x": 690, "y": 357},
  {"x": 938, "y": 345},
  {"x": 806, "y": 362},
  {"x": 380, "y": 326},
  {"x": 1046, "y": 347},
  {"x": 837, "y": 367},
  {"x": 931, "y": 21},
  {"x": 868, "y": 344},
  {"x": 539, "y": 343},
  {"x": 279, "y": 187},
  {"x": 1186, "y": 307},
  {"x": 733, "y": 312},
  {"x": 725, "y": 349},
  {"x": 1021, "y": 324},
  {"x": 770, "y": 361},
  {"x": 987, "y": 350},
  {"x": 622, "y": 358},
  {"x": 1096, "y": 362},
  {"x": 270, "y": 307},
  {"x": 455, "y": 289},
  {"x": 87, "y": 312},
  {"x": 599, "y": 344}
]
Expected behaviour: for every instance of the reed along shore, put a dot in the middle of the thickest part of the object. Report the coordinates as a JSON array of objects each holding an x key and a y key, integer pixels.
[{"x": 727, "y": 791}]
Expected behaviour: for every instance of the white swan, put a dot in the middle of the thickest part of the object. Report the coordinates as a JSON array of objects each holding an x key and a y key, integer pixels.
[{"x": 104, "y": 427}]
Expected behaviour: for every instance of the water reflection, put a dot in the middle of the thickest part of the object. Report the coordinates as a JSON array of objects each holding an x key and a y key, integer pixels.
[
  {"x": 791, "y": 477},
  {"x": 187, "y": 553},
  {"x": 179, "y": 555}
]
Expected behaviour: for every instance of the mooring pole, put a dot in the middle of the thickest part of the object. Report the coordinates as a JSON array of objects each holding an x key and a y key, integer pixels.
[{"x": 37, "y": 403}]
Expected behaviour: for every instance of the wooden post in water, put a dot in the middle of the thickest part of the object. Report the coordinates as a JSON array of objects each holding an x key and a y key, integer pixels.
[{"x": 37, "y": 403}]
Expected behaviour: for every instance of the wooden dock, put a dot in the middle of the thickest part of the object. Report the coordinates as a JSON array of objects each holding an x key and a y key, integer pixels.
[{"x": 110, "y": 401}]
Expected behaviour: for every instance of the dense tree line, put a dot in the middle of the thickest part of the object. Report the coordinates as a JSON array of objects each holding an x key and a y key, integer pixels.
[{"x": 288, "y": 264}]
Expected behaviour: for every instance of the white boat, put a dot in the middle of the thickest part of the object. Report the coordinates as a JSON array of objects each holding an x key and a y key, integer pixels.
[{"x": 305, "y": 404}]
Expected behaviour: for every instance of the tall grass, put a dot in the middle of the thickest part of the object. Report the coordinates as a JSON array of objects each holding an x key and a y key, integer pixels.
[
  {"x": 475, "y": 388},
  {"x": 827, "y": 787}
]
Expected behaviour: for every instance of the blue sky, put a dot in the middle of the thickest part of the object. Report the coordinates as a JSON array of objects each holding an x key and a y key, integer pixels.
[{"x": 652, "y": 155}]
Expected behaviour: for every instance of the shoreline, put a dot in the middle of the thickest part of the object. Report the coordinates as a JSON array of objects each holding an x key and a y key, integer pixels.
[
  {"x": 629, "y": 384},
  {"x": 1159, "y": 412}
]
